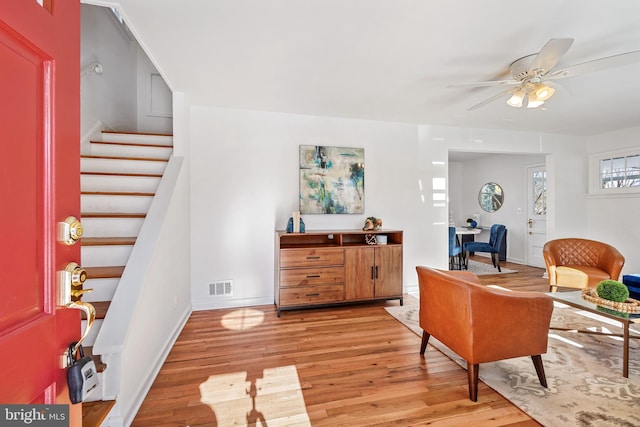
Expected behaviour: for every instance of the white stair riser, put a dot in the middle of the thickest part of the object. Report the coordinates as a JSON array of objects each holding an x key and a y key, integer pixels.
[
  {"x": 122, "y": 166},
  {"x": 115, "y": 204},
  {"x": 138, "y": 139},
  {"x": 131, "y": 151},
  {"x": 105, "y": 256},
  {"x": 137, "y": 184},
  {"x": 103, "y": 289},
  {"x": 111, "y": 227},
  {"x": 91, "y": 338}
]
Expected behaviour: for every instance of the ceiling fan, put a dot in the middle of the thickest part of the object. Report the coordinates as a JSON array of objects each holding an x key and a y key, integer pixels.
[{"x": 531, "y": 74}]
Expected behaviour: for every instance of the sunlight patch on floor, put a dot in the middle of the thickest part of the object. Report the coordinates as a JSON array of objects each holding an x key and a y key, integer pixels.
[
  {"x": 566, "y": 340},
  {"x": 273, "y": 399},
  {"x": 242, "y": 319}
]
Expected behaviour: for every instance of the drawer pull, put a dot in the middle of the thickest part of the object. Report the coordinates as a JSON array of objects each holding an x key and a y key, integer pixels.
[
  {"x": 314, "y": 257},
  {"x": 313, "y": 295},
  {"x": 313, "y": 276}
]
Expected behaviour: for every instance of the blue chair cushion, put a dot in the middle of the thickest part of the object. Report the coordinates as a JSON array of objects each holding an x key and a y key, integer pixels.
[{"x": 479, "y": 247}]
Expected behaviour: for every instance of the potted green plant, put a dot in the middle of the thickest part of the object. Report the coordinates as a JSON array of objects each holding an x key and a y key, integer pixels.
[{"x": 612, "y": 290}]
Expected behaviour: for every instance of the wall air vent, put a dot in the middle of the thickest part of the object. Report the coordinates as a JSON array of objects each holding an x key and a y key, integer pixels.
[{"x": 221, "y": 288}]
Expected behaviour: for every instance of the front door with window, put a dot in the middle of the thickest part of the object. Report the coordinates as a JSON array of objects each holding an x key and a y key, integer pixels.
[
  {"x": 537, "y": 215},
  {"x": 39, "y": 187}
]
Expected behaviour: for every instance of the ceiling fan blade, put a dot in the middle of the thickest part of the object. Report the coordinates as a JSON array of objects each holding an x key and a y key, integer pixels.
[
  {"x": 550, "y": 54},
  {"x": 597, "y": 65},
  {"x": 486, "y": 84},
  {"x": 493, "y": 98}
]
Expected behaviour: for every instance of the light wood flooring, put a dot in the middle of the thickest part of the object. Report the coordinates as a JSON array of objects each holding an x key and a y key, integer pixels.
[{"x": 342, "y": 366}]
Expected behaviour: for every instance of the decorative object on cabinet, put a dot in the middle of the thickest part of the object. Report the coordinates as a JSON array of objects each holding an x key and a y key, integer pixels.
[
  {"x": 331, "y": 180},
  {"x": 370, "y": 239},
  {"x": 291, "y": 224},
  {"x": 372, "y": 223},
  {"x": 328, "y": 267}
]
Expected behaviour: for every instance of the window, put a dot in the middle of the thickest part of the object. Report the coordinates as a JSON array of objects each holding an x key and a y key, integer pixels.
[
  {"x": 539, "y": 192},
  {"x": 616, "y": 172}
]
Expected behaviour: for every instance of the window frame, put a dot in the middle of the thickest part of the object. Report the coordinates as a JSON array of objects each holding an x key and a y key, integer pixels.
[{"x": 595, "y": 187}]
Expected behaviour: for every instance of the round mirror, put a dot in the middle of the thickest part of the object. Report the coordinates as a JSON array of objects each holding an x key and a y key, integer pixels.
[{"x": 490, "y": 197}]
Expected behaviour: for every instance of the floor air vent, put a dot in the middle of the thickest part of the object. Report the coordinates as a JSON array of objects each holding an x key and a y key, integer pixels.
[{"x": 224, "y": 287}]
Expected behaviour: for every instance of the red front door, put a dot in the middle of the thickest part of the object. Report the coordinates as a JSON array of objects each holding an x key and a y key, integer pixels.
[{"x": 39, "y": 187}]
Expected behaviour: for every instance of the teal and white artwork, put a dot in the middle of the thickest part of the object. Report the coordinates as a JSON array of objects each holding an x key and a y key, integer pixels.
[{"x": 331, "y": 180}]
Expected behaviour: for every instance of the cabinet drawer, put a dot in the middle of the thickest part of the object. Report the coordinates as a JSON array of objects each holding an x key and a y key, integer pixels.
[
  {"x": 305, "y": 295},
  {"x": 311, "y": 257},
  {"x": 311, "y": 276}
]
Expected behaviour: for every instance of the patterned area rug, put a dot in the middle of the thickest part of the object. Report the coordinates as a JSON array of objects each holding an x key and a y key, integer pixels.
[
  {"x": 584, "y": 373},
  {"x": 480, "y": 268}
]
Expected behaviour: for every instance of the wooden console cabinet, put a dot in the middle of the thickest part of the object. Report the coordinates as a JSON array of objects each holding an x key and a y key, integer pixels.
[{"x": 327, "y": 267}]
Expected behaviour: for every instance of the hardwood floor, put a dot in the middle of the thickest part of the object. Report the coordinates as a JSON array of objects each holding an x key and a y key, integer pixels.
[{"x": 344, "y": 366}]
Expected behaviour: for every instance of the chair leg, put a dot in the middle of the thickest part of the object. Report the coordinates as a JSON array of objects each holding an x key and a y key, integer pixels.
[
  {"x": 496, "y": 260},
  {"x": 537, "y": 362},
  {"x": 472, "y": 372},
  {"x": 425, "y": 340}
]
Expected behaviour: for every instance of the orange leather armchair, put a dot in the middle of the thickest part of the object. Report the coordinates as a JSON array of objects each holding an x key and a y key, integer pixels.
[
  {"x": 482, "y": 324},
  {"x": 580, "y": 263}
]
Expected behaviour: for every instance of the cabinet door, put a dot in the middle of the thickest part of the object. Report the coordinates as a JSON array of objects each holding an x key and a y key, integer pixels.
[
  {"x": 359, "y": 273},
  {"x": 388, "y": 269}
]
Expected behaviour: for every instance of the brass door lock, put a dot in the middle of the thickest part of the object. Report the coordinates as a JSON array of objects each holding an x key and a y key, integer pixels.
[{"x": 69, "y": 231}]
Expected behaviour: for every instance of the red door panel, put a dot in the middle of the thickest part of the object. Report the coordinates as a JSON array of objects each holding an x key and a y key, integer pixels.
[{"x": 39, "y": 186}]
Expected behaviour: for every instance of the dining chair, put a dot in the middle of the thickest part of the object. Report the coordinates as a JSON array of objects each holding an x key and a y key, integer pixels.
[
  {"x": 455, "y": 250},
  {"x": 493, "y": 246}
]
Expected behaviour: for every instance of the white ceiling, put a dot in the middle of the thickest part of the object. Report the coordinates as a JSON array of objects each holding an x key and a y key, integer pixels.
[{"x": 392, "y": 60}]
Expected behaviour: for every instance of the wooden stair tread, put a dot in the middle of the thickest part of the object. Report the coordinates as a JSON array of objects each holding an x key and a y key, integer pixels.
[
  {"x": 94, "y": 413},
  {"x": 144, "y": 175},
  {"x": 104, "y": 272},
  {"x": 116, "y": 193},
  {"x": 133, "y": 144},
  {"x": 88, "y": 351},
  {"x": 146, "y": 159},
  {"x": 107, "y": 241},
  {"x": 101, "y": 309},
  {"x": 112, "y": 215}
]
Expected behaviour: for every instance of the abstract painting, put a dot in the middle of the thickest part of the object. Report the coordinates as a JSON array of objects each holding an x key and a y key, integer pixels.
[{"x": 331, "y": 180}]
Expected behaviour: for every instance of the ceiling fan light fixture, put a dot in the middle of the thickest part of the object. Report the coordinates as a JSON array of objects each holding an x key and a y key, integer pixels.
[
  {"x": 544, "y": 92},
  {"x": 516, "y": 99},
  {"x": 534, "y": 102}
]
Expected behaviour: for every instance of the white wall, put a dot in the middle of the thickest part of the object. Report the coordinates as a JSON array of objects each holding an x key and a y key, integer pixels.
[
  {"x": 109, "y": 97},
  {"x": 122, "y": 97},
  {"x": 612, "y": 219},
  {"x": 244, "y": 186}
]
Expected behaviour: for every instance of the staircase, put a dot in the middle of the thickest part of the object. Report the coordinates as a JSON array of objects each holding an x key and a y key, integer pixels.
[{"x": 119, "y": 177}]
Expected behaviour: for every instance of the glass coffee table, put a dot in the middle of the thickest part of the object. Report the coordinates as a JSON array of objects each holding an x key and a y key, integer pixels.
[{"x": 574, "y": 299}]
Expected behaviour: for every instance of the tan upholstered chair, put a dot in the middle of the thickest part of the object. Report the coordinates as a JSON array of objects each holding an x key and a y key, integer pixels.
[
  {"x": 580, "y": 263},
  {"x": 482, "y": 324}
]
